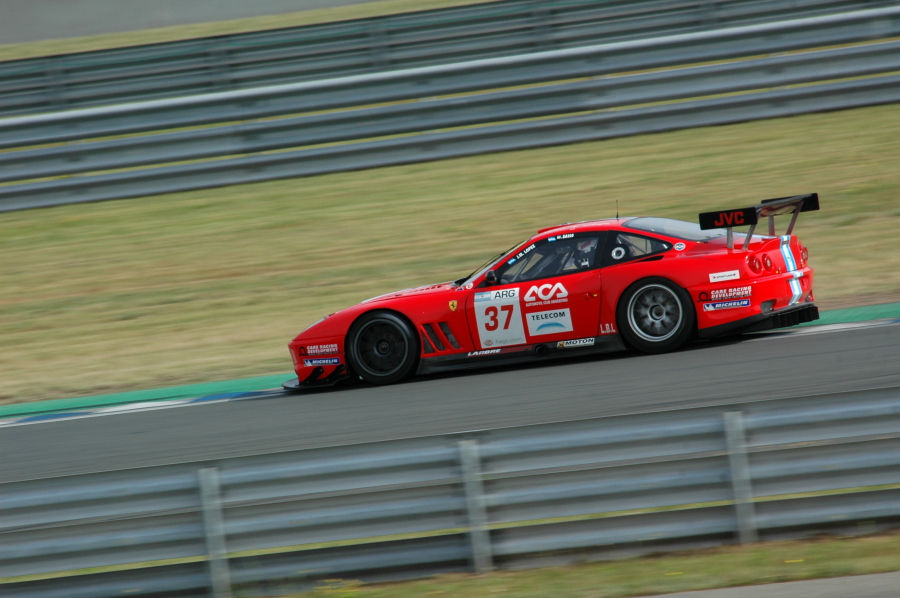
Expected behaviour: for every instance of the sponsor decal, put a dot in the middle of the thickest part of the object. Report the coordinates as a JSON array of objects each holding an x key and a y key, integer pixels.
[
  {"x": 560, "y": 237},
  {"x": 726, "y": 305},
  {"x": 499, "y": 318},
  {"x": 511, "y": 262},
  {"x": 720, "y": 276},
  {"x": 579, "y": 342},
  {"x": 549, "y": 322},
  {"x": 324, "y": 361},
  {"x": 329, "y": 349},
  {"x": 485, "y": 352},
  {"x": 618, "y": 253},
  {"x": 523, "y": 253},
  {"x": 607, "y": 329},
  {"x": 679, "y": 246},
  {"x": 453, "y": 305},
  {"x": 731, "y": 293},
  {"x": 498, "y": 295},
  {"x": 545, "y": 293}
]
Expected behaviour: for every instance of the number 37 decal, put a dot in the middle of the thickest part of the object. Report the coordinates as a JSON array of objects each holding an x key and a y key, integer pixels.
[
  {"x": 499, "y": 318},
  {"x": 492, "y": 312}
]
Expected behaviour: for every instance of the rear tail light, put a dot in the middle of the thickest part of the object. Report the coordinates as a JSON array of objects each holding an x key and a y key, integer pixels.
[
  {"x": 767, "y": 262},
  {"x": 804, "y": 256},
  {"x": 753, "y": 264}
]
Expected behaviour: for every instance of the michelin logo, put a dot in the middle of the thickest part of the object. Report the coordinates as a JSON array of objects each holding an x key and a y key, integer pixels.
[
  {"x": 312, "y": 362},
  {"x": 726, "y": 305}
]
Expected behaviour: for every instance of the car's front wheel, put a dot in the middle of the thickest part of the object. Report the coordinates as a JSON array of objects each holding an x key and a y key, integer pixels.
[
  {"x": 382, "y": 348},
  {"x": 655, "y": 315}
]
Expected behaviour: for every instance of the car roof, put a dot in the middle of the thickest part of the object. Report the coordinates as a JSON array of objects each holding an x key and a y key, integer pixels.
[{"x": 586, "y": 225}]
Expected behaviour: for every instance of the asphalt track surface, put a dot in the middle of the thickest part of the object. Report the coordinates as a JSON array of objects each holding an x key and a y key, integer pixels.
[{"x": 712, "y": 373}]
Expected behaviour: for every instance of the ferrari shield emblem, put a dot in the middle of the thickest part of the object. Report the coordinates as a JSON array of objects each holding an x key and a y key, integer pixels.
[{"x": 453, "y": 306}]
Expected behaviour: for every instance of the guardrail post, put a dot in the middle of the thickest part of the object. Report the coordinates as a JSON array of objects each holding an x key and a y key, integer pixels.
[
  {"x": 479, "y": 536},
  {"x": 211, "y": 502},
  {"x": 736, "y": 440}
]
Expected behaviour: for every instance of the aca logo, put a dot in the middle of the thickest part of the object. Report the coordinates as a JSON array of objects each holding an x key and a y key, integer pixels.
[{"x": 546, "y": 291}]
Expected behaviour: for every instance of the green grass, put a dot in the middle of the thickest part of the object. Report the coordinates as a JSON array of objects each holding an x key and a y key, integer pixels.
[
  {"x": 211, "y": 285},
  {"x": 181, "y": 32},
  {"x": 696, "y": 570}
]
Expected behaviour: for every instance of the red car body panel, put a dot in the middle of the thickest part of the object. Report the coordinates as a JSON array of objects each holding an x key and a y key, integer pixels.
[{"x": 462, "y": 326}]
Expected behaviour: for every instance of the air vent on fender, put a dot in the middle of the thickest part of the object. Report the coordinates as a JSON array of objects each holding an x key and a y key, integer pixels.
[
  {"x": 432, "y": 335},
  {"x": 445, "y": 328}
]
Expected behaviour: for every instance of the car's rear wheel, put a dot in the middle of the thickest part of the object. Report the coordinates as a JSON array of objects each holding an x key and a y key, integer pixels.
[
  {"x": 382, "y": 348},
  {"x": 655, "y": 315}
]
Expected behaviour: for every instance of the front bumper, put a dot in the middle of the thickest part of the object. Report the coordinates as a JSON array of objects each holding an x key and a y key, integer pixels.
[{"x": 781, "y": 318}]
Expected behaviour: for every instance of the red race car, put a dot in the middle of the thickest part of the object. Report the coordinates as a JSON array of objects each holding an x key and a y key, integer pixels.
[{"x": 652, "y": 284}]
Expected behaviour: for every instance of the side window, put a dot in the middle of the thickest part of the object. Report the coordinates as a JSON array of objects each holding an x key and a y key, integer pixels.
[
  {"x": 553, "y": 257},
  {"x": 625, "y": 247}
]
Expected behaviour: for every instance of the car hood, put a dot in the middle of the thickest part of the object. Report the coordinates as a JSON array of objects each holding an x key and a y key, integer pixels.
[{"x": 423, "y": 290}]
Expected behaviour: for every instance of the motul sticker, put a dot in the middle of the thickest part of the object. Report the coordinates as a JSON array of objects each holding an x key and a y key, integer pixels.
[
  {"x": 720, "y": 276},
  {"x": 549, "y": 322},
  {"x": 726, "y": 305},
  {"x": 579, "y": 342}
]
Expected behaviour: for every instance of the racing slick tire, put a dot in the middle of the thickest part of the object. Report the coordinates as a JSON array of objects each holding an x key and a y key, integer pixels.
[
  {"x": 382, "y": 347},
  {"x": 656, "y": 315}
]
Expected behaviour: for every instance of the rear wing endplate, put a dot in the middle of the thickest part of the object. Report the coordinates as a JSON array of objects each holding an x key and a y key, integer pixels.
[{"x": 768, "y": 208}]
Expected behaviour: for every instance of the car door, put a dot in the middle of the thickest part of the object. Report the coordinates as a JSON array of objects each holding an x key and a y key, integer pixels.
[{"x": 548, "y": 291}]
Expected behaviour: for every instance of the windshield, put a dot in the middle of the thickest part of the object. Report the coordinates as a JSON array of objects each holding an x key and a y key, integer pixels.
[
  {"x": 487, "y": 265},
  {"x": 674, "y": 228}
]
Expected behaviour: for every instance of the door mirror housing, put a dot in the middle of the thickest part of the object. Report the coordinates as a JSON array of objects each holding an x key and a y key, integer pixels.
[{"x": 490, "y": 277}]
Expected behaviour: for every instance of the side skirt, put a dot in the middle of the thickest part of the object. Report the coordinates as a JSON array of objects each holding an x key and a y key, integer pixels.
[{"x": 518, "y": 354}]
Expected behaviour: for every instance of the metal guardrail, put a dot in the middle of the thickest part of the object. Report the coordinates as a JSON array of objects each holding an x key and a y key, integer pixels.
[
  {"x": 464, "y": 77},
  {"x": 818, "y": 72},
  {"x": 433, "y": 114},
  {"x": 370, "y": 45},
  {"x": 495, "y": 498}
]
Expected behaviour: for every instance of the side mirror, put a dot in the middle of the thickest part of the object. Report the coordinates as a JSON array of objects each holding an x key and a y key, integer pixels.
[{"x": 490, "y": 277}]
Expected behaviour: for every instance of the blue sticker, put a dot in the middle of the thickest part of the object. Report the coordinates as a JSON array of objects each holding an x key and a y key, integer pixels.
[
  {"x": 328, "y": 361},
  {"x": 552, "y": 239},
  {"x": 726, "y": 305}
]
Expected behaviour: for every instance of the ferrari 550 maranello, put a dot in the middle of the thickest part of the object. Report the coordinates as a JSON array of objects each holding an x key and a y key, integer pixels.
[{"x": 652, "y": 284}]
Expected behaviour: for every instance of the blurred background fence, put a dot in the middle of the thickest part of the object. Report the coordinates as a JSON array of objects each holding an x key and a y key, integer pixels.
[
  {"x": 597, "y": 488},
  {"x": 352, "y": 47},
  {"x": 409, "y": 115}
]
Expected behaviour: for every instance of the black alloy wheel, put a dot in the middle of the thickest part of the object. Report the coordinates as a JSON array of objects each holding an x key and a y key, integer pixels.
[
  {"x": 382, "y": 347},
  {"x": 656, "y": 315}
]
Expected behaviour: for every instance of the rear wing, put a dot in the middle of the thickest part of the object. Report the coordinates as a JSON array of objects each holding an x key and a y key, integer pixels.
[{"x": 768, "y": 208}]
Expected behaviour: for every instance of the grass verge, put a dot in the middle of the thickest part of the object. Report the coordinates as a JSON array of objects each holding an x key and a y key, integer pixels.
[
  {"x": 212, "y": 284},
  {"x": 770, "y": 562},
  {"x": 123, "y": 39}
]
